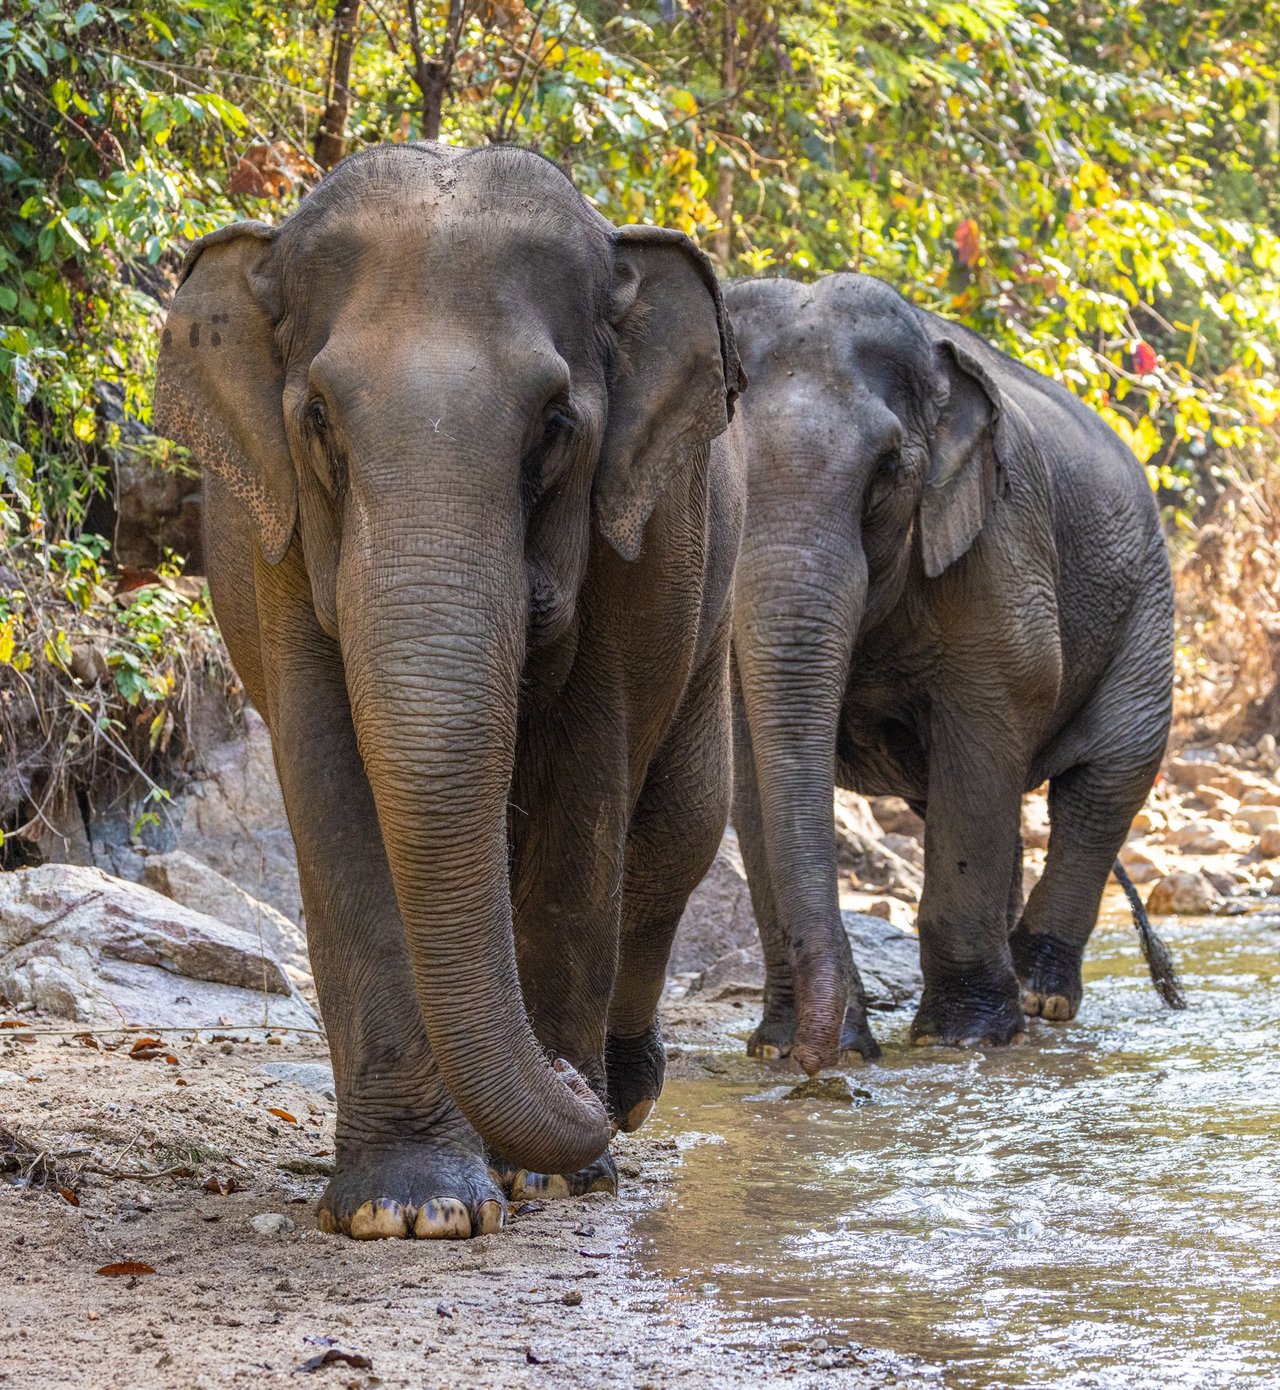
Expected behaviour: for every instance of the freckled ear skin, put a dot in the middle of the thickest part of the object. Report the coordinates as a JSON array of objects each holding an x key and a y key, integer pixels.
[
  {"x": 219, "y": 385},
  {"x": 965, "y": 459},
  {"x": 675, "y": 383}
]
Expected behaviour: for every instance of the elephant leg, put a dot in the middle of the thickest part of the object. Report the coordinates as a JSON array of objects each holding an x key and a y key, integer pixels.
[
  {"x": 1110, "y": 754},
  {"x": 406, "y": 1162},
  {"x": 776, "y": 1031},
  {"x": 568, "y": 825},
  {"x": 676, "y": 829},
  {"x": 1091, "y": 808},
  {"x": 971, "y": 994}
]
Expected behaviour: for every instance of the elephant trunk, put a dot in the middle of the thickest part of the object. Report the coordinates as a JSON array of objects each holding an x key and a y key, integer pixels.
[
  {"x": 433, "y": 644},
  {"x": 796, "y": 618}
]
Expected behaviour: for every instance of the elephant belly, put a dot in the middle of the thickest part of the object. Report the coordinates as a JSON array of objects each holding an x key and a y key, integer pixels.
[{"x": 878, "y": 753}]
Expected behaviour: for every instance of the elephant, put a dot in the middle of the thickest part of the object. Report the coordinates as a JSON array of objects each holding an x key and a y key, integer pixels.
[
  {"x": 953, "y": 586},
  {"x": 473, "y": 503}
]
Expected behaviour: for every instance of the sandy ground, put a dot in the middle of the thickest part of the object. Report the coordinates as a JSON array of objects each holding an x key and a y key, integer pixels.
[{"x": 558, "y": 1299}]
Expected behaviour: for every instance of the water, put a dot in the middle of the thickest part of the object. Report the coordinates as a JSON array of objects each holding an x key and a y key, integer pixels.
[{"x": 1099, "y": 1208}]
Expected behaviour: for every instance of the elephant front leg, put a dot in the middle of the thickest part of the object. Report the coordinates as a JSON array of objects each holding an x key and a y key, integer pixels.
[
  {"x": 971, "y": 993},
  {"x": 673, "y": 837},
  {"x": 567, "y": 838},
  {"x": 406, "y": 1162}
]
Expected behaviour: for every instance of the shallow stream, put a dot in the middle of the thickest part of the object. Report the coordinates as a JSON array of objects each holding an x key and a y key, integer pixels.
[{"x": 1098, "y": 1208}]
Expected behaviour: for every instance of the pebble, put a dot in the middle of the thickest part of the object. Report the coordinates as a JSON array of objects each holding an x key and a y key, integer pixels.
[{"x": 271, "y": 1223}]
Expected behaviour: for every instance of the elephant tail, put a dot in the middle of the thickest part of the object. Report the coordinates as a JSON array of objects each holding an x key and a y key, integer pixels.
[{"x": 1154, "y": 951}]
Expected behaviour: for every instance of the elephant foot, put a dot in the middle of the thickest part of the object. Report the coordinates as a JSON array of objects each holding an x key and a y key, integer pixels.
[
  {"x": 776, "y": 1034},
  {"x": 965, "y": 1013},
  {"x": 411, "y": 1191},
  {"x": 1049, "y": 969},
  {"x": 634, "y": 1068},
  {"x": 600, "y": 1176}
]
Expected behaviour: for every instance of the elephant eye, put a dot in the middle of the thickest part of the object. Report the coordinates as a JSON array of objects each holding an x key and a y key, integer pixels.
[
  {"x": 318, "y": 415},
  {"x": 535, "y": 475}
]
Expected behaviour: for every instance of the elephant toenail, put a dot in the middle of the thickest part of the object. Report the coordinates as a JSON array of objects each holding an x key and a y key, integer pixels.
[
  {"x": 1032, "y": 1003},
  {"x": 638, "y": 1114},
  {"x": 490, "y": 1218},
  {"x": 442, "y": 1218},
  {"x": 606, "y": 1182},
  {"x": 1056, "y": 1008},
  {"x": 768, "y": 1052},
  {"x": 925, "y": 1040},
  {"x": 327, "y": 1222},
  {"x": 549, "y": 1185},
  {"x": 380, "y": 1219}
]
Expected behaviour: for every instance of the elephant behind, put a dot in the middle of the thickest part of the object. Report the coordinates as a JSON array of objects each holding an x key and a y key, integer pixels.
[
  {"x": 953, "y": 586},
  {"x": 472, "y": 513}
]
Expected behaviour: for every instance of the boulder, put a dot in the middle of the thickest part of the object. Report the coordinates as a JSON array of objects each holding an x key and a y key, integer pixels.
[
  {"x": 107, "y": 953},
  {"x": 1201, "y": 837},
  {"x": 906, "y": 847},
  {"x": 719, "y": 918},
  {"x": 1144, "y": 863},
  {"x": 888, "y": 959},
  {"x": 233, "y": 820},
  {"x": 1035, "y": 821},
  {"x": 1183, "y": 893},
  {"x": 1268, "y": 795},
  {"x": 1188, "y": 773},
  {"x": 1269, "y": 841},
  {"x": 186, "y": 880},
  {"x": 1257, "y": 818},
  {"x": 894, "y": 816}
]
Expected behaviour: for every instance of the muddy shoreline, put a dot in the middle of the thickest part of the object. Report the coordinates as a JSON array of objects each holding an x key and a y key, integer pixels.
[{"x": 557, "y": 1299}]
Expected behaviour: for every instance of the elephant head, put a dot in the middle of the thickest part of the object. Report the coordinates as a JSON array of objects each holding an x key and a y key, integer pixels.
[
  {"x": 446, "y": 379},
  {"x": 875, "y": 443}
]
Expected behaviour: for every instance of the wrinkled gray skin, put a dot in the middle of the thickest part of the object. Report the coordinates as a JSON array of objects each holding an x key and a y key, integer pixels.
[
  {"x": 952, "y": 586},
  {"x": 471, "y": 551}
]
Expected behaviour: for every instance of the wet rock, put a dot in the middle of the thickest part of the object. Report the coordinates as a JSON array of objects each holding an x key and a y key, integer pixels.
[
  {"x": 1183, "y": 893},
  {"x": 271, "y": 1223},
  {"x": 738, "y": 974},
  {"x": 233, "y": 820},
  {"x": 719, "y": 918},
  {"x": 103, "y": 951},
  {"x": 894, "y": 816},
  {"x": 1144, "y": 863},
  {"x": 186, "y": 880},
  {"x": 834, "y": 1087}
]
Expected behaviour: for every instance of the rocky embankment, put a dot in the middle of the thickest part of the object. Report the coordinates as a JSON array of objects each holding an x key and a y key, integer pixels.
[{"x": 203, "y": 928}]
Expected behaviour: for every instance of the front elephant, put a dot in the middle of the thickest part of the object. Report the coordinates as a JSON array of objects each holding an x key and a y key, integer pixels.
[{"x": 456, "y": 428}]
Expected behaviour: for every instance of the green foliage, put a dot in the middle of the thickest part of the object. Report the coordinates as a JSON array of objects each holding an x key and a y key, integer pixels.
[{"x": 1093, "y": 186}]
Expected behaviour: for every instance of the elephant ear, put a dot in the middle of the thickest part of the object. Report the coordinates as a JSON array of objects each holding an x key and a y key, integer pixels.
[
  {"x": 219, "y": 384},
  {"x": 965, "y": 458},
  {"x": 675, "y": 383}
]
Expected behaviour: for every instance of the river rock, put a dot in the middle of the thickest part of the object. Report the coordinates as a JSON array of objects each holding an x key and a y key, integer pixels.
[
  {"x": 107, "y": 953},
  {"x": 1269, "y": 841},
  {"x": 1183, "y": 893},
  {"x": 186, "y": 880}
]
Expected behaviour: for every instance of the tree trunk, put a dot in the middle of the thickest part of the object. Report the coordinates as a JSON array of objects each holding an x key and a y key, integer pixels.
[
  {"x": 433, "y": 74},
  {"x": 722, "y": 241},
  {"x": 331, "y": 138}
]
